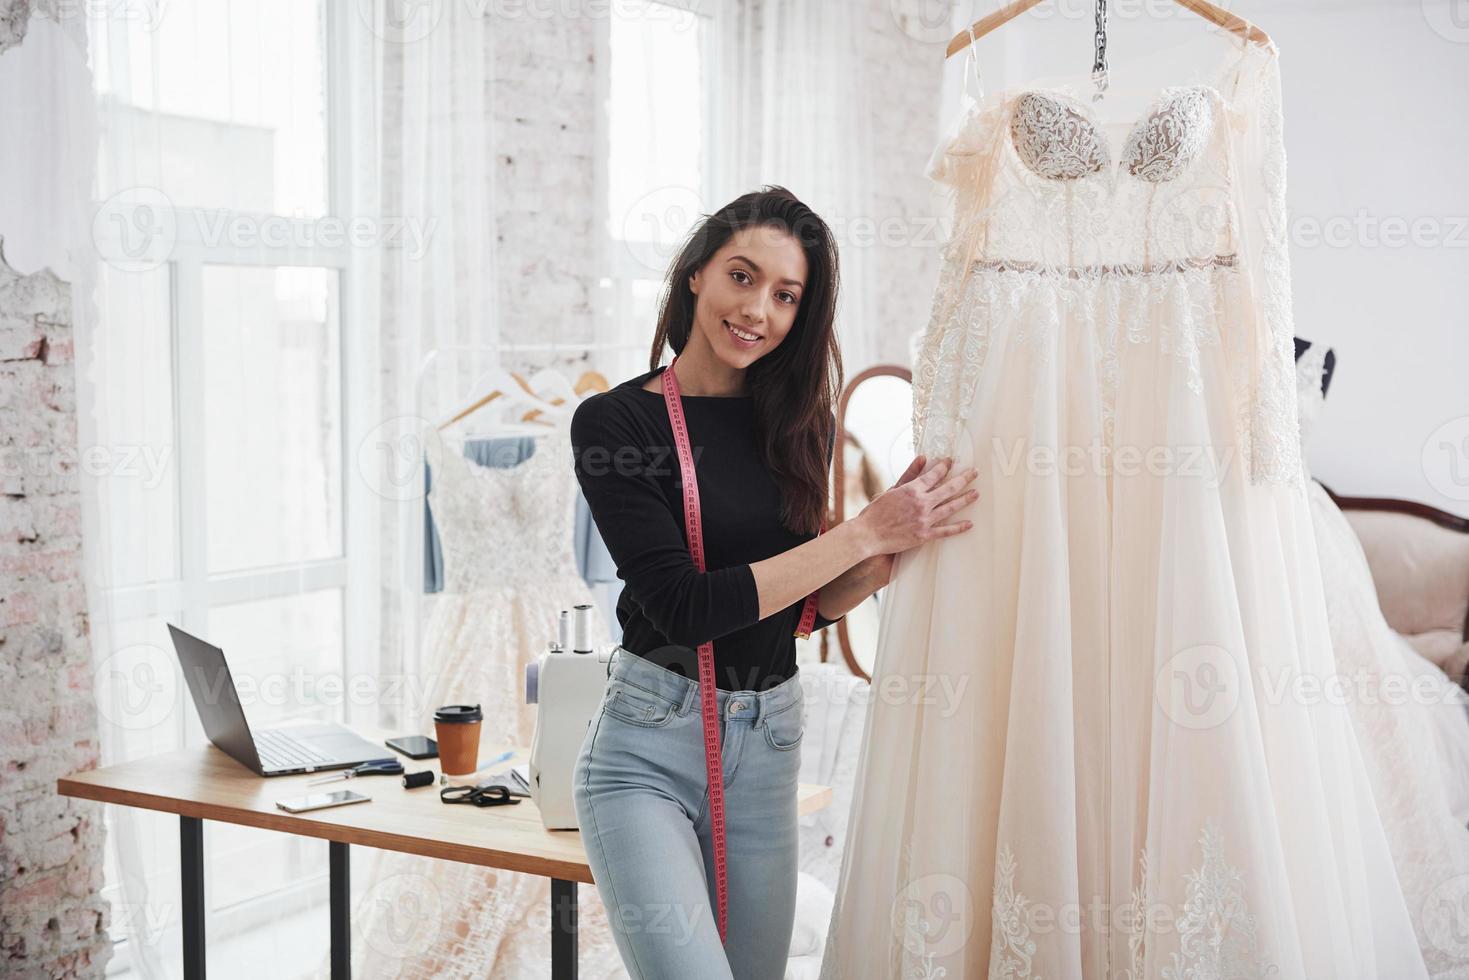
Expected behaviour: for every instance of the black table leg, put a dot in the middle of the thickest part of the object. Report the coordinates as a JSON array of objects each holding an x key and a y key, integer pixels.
[
  {"x": 563, "y": 929},
  {"x": 339, "y": 860},
  {"x": 191, "y": 894}
]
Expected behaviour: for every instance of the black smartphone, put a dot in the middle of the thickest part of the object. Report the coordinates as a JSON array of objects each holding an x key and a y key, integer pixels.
[{"x": 415, "y": 746}]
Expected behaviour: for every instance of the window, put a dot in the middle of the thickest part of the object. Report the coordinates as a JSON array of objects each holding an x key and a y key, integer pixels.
[
  {"x": 223, "y": 378},
  {"x": 660, "y": 168}
]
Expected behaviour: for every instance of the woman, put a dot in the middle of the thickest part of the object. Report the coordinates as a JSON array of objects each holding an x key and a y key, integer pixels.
[{"x": 748, "y": 309}]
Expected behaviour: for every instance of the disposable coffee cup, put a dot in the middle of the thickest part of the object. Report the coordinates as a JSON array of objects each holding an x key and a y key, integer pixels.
[{"x": 456, "y": 726}]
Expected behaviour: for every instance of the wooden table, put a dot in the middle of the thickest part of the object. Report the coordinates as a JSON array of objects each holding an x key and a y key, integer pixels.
[{"x": 206, "y": 784}]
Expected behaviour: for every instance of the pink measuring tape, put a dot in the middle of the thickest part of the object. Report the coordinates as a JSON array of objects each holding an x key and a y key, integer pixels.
[{"x": 707, "y": 696}]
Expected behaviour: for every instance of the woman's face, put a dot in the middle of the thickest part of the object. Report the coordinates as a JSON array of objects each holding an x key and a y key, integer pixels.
[{"x": 753, "y": 285}]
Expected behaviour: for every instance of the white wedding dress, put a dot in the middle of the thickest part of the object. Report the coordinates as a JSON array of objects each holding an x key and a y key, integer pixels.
[
  {"x": 1130, "y": 777},
  {"x": 509, "y": 568},
  {"x": 1410, "y": 719}
]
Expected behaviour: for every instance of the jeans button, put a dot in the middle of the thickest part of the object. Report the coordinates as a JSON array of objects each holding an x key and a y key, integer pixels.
[{"x": 737, "y": 707}]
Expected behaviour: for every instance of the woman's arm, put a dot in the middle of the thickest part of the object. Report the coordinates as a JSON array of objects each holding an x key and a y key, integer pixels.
[
  {"x": 792, "y": 575},
  {"x": 689, "y": 607}
]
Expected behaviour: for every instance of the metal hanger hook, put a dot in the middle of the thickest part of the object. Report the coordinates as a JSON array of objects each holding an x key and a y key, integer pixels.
[
  {"x": 1099, "y": 63},
  {"x": 972, "y": 58}
]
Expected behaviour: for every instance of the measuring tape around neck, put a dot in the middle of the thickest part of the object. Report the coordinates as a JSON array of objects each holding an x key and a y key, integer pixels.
[{"x": 707, "y": 697}]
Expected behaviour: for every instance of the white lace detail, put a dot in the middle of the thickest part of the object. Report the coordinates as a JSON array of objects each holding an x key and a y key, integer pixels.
[
  {"x": 1059, "y": 140},
  {"x": 1174, "y": 135},
  {"x": 1056, "y": 141},
  {"x": 1215, "y": 928},
  {"x": 1011, "y": 947},
  {"x": 1276, "y": 450},
  {"x": 1027, "y": 213},
  {"x": 912, "y": 928},
  {"x": 1137, "y": 911},
  {"x": 1183, "y": 300},
  {"x": 1216, "y": 933}
]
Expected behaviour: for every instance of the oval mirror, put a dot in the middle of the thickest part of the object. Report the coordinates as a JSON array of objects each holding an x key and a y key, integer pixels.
[{"x": 875, "y": 434}]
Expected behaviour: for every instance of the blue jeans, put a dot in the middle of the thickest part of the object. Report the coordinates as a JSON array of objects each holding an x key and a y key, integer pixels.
[{"x": 642, "y": 800}]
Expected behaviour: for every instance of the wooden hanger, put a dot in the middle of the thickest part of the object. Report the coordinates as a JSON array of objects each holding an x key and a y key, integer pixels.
[
  {"x": 499, "y": 392},
  {"x": 589, "y": 381},
  {"x": 1217, "y": 15}
]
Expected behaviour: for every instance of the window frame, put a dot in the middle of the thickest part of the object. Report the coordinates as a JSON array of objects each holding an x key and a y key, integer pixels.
[{"x": 193, "y": 592}]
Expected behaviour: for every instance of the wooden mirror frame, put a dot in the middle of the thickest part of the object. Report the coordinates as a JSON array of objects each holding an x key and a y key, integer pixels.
[{"x": 839, "y": 503}]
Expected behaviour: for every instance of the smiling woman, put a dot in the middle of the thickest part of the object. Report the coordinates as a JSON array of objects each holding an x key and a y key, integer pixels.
[
  {"x": 749, "y": 310},
  {"x": 750, "y": 307}
]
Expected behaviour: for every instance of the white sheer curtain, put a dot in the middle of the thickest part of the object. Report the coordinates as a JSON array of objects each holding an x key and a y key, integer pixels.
[
  {"x": 227, "y": 325},
  {"x": 294, "y": 207},
  {"x": 424, "y": 135},
  {"x": 795, "y": 114}
]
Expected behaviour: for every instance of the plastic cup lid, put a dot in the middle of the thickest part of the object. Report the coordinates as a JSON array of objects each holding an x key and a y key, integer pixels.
[{"x": 459, "y": 713}]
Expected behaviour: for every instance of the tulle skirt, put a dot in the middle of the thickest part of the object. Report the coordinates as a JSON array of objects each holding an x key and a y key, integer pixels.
[
  {"x": 1412, "y": 724},
  {"x": 1095, "y": 746}
]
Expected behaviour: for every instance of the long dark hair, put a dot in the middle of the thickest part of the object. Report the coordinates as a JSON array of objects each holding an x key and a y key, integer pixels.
[{"x": 795, "y": 385}]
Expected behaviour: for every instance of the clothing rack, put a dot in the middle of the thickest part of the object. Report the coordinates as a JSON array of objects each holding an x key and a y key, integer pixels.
[{"x": 413, "y": 534}]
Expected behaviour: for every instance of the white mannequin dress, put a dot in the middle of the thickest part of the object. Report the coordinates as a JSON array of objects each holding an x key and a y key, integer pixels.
[
  {"x": 509, "y": 568},
  {"x": 1126, "y": 781}
]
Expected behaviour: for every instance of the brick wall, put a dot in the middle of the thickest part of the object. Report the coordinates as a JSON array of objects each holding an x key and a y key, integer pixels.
[{"x": 52, "y": 920}]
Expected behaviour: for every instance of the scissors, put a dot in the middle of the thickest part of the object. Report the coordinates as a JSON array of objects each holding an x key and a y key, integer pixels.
[
  {"x": 377, "y": 767},
  {"x": 478, "y": 795}
]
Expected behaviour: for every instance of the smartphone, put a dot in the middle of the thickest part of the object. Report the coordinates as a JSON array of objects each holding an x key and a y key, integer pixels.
[
  {"x": 415, "y": 746},
  {"x": 320, "y": 801}
]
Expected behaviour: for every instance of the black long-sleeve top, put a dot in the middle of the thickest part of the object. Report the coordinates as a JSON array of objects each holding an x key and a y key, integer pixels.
[{"x": 627, "y": 464}]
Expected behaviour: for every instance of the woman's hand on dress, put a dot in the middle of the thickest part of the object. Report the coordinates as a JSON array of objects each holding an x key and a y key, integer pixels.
[{"x": 915, "y": 509}]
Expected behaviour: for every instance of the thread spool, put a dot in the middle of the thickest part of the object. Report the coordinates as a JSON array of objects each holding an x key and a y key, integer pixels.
[
  {"x": 411, "y": 780},
  {"x": 581, "y": 637}
]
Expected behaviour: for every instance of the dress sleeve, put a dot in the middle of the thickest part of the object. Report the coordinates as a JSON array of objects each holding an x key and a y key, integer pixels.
[
  {"x": 961, "y": 152},
  {"x": 1269, "y": 427},
  {"x": 646, "y": 538},
  {"x": 964, "y": 163}
]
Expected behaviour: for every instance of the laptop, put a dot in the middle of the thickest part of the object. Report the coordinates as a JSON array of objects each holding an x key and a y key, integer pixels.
[{"x": 304, "y": 746}]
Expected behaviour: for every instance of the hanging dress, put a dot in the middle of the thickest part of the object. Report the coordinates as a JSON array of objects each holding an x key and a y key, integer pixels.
[{"x": 1093, "y": 750}]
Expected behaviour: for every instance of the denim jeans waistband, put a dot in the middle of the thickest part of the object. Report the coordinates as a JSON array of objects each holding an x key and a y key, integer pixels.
[{"x": 684, "y": 691}]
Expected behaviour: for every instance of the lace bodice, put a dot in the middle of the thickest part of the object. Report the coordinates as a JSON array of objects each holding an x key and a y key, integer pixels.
[
  {"x": 1062, "y": 140},
  {"x": 1048, "y": 212},
  {"x": 506, "y": 527}
]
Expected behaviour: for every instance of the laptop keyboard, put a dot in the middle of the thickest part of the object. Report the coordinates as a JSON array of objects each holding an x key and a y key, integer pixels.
[{"x": 281, "y": 751}]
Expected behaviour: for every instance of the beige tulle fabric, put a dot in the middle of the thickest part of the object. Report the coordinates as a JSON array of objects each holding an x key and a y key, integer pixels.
[
  {"x": 1129, "y": 776},
  {"x": 1411, "y": 721}
]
